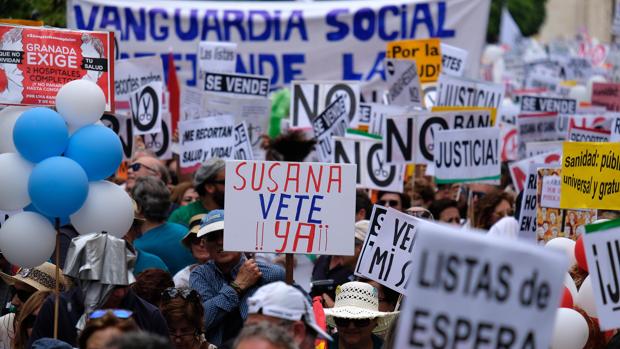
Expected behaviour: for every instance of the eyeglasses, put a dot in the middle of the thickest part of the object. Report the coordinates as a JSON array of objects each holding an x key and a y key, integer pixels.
[
  {"x": 22, "y": 295},
  {"x": 389, "y": 203},
  {"x": 359, "y": 323},
  {"x": 136, "y": 167},
  {"x": 185, "y": 293},
  {"x": 119, "y": 313}
]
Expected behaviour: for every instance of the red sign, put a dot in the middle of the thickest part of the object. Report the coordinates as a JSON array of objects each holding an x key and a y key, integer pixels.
[
  {"x": 607, "y": 95},
  {"x": 35, "y": 62}
]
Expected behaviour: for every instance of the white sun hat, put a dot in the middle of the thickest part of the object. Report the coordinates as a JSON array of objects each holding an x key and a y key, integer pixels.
[{"x": 359, "y": 300}]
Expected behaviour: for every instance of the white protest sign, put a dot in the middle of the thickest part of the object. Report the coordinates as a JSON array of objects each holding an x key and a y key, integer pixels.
[
  {"x": 191, "y": 103},
  {"x": 310, "y": 98},
  {"x": 332, "y": 122},
  {"x": 160, "y": 143},
  {"x": 519, "y": 169},
  {"x": 527, "y": 215},
  {"x": 615, "y": 130},
  {"x": 536, "y": 128},
  {"x": 146, "y": 108},
  {"x": 541, "y": 104},
  {"x": 216, "y": 57},
  {"x": 463, "y": 280},
  {"x": 581, "y": 134},
  {"x": 536, "y": 148},
  {"x": 132, "y": 73},
  {"x": 242, "y": 149},
  {"x": 236, "y": 84},
  {"x": 509, "y": 142},
  {"x": 386, "y": 253},
  {"x": 205, "y": 138},
  {"x": 289, "y": 207},
  {"x": 544, "y": 82},
  {"x": 399, "y": 141},
  {"x": 376, "y": 114},
  {"x": 453, "y": 60},
  {"x": 372, "y": 171},
  {"x": 429, "y": 124},
  {"x": 601, "y": 243},
  {"x": 550, "y": 191},
  {"x": 577, "y": 68},
  {"x": 404, "y": 84},
  {"x": 467, "y": 155},
  {"x": 457, "y": 91}
]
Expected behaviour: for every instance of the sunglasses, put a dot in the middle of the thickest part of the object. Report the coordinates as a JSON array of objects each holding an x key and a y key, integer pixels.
[
  {"x": 359, "y": 323},
  {"x": 388, "y": 203},
  {"x": 214, "y": 236},
  {"x": 136, "y": 167},
  {"x": 119, "y": 313},
  {"x": 22, "y": 295},
  {"x": 185, "y": 293}
]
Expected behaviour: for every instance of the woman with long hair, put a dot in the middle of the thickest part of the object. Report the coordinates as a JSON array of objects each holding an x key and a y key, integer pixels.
[{"x": 26, "y": 318}]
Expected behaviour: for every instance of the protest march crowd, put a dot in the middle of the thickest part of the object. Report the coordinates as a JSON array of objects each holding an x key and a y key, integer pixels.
[{"x": 465, "y": 199}]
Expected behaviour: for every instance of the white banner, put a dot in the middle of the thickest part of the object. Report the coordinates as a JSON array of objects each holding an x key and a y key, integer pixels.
[
  {"x": 286, "y": 41},
  {"x": 462, "y": 281},
  {"x": 289, "y": 207}
]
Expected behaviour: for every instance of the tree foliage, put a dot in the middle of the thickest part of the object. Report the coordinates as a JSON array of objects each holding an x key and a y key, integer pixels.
[
  {"x": 51, "y": 12},
  {"x": 528, "y": 14}
]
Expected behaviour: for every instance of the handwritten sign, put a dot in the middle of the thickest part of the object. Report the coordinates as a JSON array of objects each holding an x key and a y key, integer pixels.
[
  {"x": 289, "y": 207},
  {"x": 590, "y": 175},
  {"x": 463, "y": 280},
  {"x": 386, "y": 254},
  {"x": 425, "y": 52},
  {"x": 205, "y": 138}
]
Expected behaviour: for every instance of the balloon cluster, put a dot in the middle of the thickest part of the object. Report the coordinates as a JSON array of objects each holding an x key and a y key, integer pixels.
[{"x": 53, "y": 166}]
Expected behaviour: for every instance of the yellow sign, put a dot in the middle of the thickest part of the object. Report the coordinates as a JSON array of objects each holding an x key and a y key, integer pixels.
[
  {"x": 492, "y": 111},
  {"x": 426, "y": 53},
  {"x": 591, "y": 175}
]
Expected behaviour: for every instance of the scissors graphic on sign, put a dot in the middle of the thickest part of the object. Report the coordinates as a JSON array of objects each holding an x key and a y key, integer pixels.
[
  {"x": 380, "y": 171},
  {"x": 146, "y": 116}
]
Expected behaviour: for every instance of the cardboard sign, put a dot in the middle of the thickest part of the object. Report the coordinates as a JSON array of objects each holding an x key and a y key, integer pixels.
[
  {"x": 518, "y": 169},
  {"x": 469, "y": 155},
  {"x": 237, "y": 84},
  {"x": 457, "y": 91},
  {"x": 590, "y": 175},
  {"x": 404, "y": 85},
  {"x": 453, "y": 60},
  {"x": 461, "y": 118},
  {"x": 582, "y": 134},
  {"x": 462, "y": 281},
  {"x": 372, "y": 170},
  {"x": 527, "y": 215},
  {"x": 289, "y": 207},
  {"x": 38, "y": 61},
  {"x": 332, "y": 122},
  {"x": 205, "y": 138},
  {"x": 425, "y": 52},
  {"x": 399, "y": 136},
  {"x": 146, "y": 108},
  {"x": 537, "y": 148},
  {"x": 133, "y": 73},
  {"x": 387, "y": 250},
  {"x": 242, "y": 150},
  {"x": 601, "y": 244},
  {"x": 615, "y": 130},
  {"x": 540, "y": 104},
  {"x": 310, "y": 98},
  {"x": 606, "y": 94},
  {"x": 216, "y": 56}
]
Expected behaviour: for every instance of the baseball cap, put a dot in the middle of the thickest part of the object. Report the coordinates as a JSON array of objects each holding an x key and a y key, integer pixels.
[
  {"x": 283, "y": 301},
  {"x": 213, "y": 221},
  {"x": 361, "y": 229}
]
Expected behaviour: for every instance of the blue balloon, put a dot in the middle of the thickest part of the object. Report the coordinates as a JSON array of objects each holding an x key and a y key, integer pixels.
[
  {"x": 58, "y": 186},
  {"x": 40, "y": 133},
  {"x": 63, "y": 220},
  {"x": 97, "y": 149}
]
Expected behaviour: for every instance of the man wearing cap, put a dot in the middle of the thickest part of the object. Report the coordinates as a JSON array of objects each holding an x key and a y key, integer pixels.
[
  {"x": 209, "y": 184},
  {"x": 287, "y": 307},
  {"x": 227, "y": 281}
]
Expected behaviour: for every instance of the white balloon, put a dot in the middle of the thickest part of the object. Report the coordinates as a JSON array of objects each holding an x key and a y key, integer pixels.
[
  {"x": 72, "y": 128},
  {"x": 8, "y": 117},
  {"x": 564, "y": 245},
  {"x": 580, "y": 93},
  {"x": 27, "y": 239},
  {"x": 585, "y": 297},
  {"x": 14, "y": 174},
  {"x": 570, "y": 285},
  {"x": 570, "y": 330},
  {"x": 80, "y": 102},
  {"x": 108, "y": 208}
]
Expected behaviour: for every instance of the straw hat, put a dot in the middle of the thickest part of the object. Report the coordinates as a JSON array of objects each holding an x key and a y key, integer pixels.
[
  {"x": 194, "y": 226},
  {"x": 42, "y": 278},
  {"x": 358, "y": 300}
]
